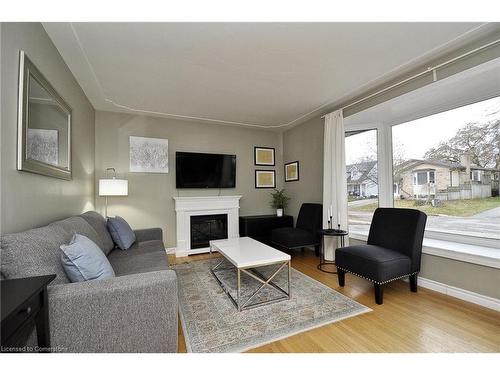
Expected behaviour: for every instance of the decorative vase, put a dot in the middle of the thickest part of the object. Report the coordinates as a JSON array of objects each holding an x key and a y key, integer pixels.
[{"x": 279, "y": 212}]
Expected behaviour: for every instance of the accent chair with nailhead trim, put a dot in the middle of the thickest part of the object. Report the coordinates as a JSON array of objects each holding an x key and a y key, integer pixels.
[{"x": 392, "y": 252}]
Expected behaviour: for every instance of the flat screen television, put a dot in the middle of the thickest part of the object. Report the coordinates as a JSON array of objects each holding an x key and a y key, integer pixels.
[{"x": 201, "y": 171}]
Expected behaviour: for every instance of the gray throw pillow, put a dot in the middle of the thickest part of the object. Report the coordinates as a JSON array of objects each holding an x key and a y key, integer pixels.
[
  {"x": 122, "y": 234},
  {"x": 83, "y": 260}
]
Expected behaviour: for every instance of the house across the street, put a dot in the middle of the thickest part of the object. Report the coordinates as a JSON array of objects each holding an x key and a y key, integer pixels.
[
  {"x": 444, "y": 180},
  {"x": 416, "y": 178},
  {"x": 362, "y": 179}
]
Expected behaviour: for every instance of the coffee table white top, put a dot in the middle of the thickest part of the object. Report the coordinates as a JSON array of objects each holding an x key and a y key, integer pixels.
[{"x": 244, "y": 252}]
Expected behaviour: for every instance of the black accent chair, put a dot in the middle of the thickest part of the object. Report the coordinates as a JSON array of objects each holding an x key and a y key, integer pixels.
[
  {"x": 392, "y": 252},
  {"x": 305, "y": 233}
]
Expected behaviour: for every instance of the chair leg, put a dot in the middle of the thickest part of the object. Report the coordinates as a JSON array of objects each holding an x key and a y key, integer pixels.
[
  {"x": 341, "y": 276},
  {"x": 379, "y": 293},
  {"x": 413, "y": 283},
  {"x": 316, "y": 250}
]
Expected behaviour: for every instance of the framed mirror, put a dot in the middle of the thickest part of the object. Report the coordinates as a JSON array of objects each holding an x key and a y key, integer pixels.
[{"x": 44, "y": 125}]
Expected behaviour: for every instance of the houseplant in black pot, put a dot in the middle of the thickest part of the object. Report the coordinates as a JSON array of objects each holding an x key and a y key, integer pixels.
[{"x": 279, "y": 200}]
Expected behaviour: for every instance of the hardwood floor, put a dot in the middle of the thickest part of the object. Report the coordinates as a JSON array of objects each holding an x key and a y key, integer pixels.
[{"x": 426, "y": 321}]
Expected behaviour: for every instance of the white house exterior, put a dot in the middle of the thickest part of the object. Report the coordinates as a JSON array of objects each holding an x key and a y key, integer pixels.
[{"x": 362, "y": 179}]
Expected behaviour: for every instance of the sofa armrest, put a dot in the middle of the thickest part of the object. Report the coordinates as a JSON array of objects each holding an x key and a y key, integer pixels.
[
  {"x": 131, "y": 313},
  {"x": 148, "y": 234}
]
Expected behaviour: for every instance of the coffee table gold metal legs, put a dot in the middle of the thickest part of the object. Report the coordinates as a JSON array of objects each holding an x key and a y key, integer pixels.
[{"x": 256, "y": 275}]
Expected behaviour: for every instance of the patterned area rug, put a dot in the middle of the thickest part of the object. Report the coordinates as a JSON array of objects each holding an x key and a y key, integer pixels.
[{"x": 211, "y": 323}]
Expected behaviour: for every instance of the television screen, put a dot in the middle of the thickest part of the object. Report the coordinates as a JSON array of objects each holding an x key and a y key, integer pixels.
[{"x": 201, "y": 171}]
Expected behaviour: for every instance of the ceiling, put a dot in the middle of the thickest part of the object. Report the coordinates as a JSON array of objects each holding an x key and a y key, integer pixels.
[
  {"x": 270, "y": 75},
  {"x": 471, "y": 86}
]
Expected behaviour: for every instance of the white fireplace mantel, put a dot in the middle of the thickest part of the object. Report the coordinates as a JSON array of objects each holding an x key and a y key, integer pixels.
[{"x": 185, "y": 207}]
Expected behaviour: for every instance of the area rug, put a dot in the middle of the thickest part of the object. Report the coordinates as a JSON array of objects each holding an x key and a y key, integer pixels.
[{"x": 211, "y": 323}]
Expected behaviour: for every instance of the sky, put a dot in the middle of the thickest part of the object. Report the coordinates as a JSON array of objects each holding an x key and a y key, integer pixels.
[{"x": 418, "y": 136}]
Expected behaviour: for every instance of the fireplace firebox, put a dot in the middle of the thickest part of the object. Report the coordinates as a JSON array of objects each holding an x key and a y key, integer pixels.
[{"x": 205, "y": 228}]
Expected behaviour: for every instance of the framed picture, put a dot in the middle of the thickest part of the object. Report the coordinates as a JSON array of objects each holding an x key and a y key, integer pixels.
[
  {"x": 263, "y": 156},
  {"x": 292, "y": 171},
  {"x": 265, "y": 179},
  {"x": 148, "y": 155}
]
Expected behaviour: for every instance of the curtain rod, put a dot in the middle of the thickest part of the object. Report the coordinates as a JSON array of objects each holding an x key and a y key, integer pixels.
[{"x": 429, "y": 69}]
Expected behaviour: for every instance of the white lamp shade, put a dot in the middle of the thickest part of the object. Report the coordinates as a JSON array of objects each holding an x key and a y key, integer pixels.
[{"x": 113, "y": 187}]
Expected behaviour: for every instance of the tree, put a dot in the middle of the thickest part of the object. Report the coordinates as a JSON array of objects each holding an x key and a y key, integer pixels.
[{"x": 480, "y": 141}]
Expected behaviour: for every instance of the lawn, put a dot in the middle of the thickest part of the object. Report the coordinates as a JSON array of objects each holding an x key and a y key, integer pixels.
[{"x": 464, "y": 207}]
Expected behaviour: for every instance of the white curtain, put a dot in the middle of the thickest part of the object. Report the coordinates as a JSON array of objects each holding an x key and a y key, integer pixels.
[{"x": 334, "y": 178}]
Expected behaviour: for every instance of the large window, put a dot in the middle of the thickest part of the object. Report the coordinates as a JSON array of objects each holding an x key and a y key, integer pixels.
[
  {"x": 448, "y": 166},
  {"x": 361, "y": 178}
]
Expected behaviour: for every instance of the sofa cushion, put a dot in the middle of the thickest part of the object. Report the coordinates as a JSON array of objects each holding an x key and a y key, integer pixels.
[
  {"x": 292, "y": 237},
  {"x": 123, "y": 236},
  {"x": 141, "y": 257},
  {"x": 98, "y": 222},
  {"x": 373, "y": 262},
  {"x": 83, "y": 260},
  {"x": 77, "y": 225},
  {"x": 34, "y": 252}
]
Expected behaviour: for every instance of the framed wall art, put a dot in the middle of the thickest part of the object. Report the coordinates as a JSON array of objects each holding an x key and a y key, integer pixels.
[
  {"x": 264, "y": 156},
  {"x": 149, "y": 155},
  {"x": 292, "y": 171},
  {"x": 265, "y": 179}
]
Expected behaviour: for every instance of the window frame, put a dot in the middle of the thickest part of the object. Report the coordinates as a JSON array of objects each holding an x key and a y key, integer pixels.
[
  {"x": 427, "y": 177},
  {"x": 477, "y": 173},
  {"x": 385, "y": 187}
]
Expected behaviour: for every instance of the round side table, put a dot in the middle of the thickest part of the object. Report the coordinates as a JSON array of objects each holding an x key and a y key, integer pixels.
[{"x": 330, "y": 233}]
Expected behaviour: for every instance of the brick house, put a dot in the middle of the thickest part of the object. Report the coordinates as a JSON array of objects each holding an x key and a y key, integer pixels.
[{"x": 444, "y": 180}]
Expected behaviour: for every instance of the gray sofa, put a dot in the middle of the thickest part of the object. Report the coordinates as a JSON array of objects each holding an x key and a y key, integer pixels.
[{"x": 134, "y": 312}]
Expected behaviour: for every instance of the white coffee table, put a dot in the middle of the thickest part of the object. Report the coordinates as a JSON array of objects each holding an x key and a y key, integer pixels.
[{"x": 247, "y": 254}]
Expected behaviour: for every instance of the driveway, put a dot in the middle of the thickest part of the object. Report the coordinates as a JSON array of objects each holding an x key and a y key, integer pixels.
[{"x": 494, "y": 213}]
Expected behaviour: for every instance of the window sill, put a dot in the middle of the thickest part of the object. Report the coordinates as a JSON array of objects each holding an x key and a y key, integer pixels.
[{"x": 481, "y": 255}]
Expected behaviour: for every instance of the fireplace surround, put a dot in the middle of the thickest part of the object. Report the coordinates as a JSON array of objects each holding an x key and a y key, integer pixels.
[{"x": 187, "y": 207}]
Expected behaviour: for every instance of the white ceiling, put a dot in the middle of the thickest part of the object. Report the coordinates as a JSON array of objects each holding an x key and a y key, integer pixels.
[
  {"x": 257, "y": 74},
  {"x": 473, "y": 85}
]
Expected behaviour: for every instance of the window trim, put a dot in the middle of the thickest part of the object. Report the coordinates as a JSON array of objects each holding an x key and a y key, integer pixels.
[
  {"x": 385, "y": 187},
  {"x": 427, "y": 177}
]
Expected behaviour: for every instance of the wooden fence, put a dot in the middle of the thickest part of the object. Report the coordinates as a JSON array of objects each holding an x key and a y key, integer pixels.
[{"x": 466, "y": 191}]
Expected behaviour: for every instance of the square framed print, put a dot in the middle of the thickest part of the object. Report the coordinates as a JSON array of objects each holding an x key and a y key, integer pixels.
[
  {"x": 265, "y": 179},
  {"x": 148, "y": 155},
  {"x": 263, "y": 156},
  {"x": 292, "y": 171}
]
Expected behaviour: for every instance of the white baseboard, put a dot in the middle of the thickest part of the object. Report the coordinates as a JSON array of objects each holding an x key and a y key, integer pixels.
[{"x": 466, "y": 295}]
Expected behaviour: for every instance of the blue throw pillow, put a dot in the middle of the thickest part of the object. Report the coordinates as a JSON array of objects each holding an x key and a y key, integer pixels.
[
  {"x": 122, "y": 234},
  {"x": 83, "y": 260}
]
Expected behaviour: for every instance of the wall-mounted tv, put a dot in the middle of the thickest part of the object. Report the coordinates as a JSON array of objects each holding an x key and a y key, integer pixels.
[{"x": 201, "y": 171}]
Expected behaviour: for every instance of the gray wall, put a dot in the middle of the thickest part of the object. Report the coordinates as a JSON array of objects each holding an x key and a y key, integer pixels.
[
  {"x": 29, "y": 200},
  {"x": 150, "y": 200},
  {"x": 305, "y": 144}
]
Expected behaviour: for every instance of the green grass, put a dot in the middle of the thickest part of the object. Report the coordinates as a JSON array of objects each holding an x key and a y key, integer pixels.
[
  {"x": 463, "y": 208},
  {"x": 351, "y": 198}
]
